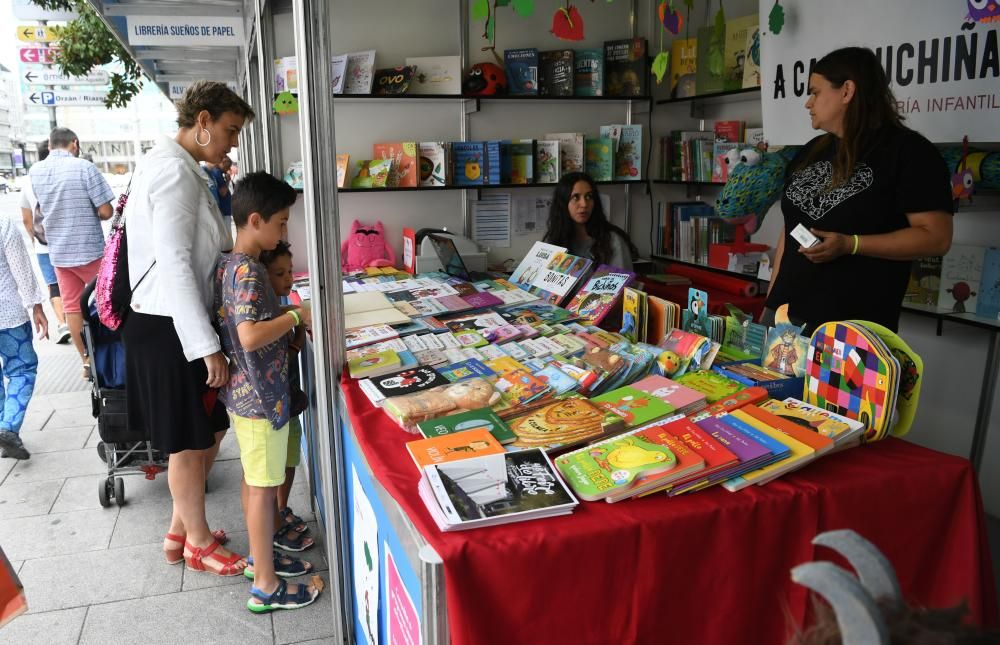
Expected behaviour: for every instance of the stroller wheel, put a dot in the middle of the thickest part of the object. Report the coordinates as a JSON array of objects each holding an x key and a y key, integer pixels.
[
  {"x": 102, "y": 453},
  {"x": 104, "y": 492},
  {"x": 119, "y": 491}
]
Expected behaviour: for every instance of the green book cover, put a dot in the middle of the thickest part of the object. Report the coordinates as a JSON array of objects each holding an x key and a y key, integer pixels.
[
  {"x": 600, "y": 158},
  {"x": 634, "y": 406},
  {"x": 611, "y": 465},
  {"x": 713, "y": 385},
  {"x": 483, "y": 418},
  {"x": 710, "y": 76}
]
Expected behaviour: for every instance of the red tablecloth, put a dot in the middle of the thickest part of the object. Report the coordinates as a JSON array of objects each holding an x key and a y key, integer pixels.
[{"x": 710, "y": 567}]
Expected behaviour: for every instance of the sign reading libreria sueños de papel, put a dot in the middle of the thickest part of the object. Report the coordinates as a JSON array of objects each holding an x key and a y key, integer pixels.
[
  {"x": 217, "y": 31},
  {"x": 942, "y": 58}
]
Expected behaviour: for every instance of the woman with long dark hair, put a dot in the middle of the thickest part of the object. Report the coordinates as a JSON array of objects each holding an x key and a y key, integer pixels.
[
  {"x": 577, "y": 222},
  {"x": 876, "y": 193}
]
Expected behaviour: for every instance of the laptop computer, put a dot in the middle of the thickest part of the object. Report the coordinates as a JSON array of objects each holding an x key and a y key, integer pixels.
[{"x": 451, "y": 260}]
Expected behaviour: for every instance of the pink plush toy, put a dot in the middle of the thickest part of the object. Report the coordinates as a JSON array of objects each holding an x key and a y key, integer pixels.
[{"x": 366, "y": 246}]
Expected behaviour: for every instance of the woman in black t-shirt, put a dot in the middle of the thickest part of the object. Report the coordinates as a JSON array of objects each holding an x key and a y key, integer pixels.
[{"x": 875, "y": 193}]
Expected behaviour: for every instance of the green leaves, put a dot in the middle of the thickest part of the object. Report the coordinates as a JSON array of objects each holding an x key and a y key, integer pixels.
[
  {"x": 660, "y": 64},
  {"x": 776, "y": 19},
  {"x": 480, "y": 9},
  {"x": 523, "y": 8}
]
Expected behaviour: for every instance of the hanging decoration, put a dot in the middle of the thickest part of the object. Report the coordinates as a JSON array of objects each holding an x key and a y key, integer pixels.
[
  {"x": 717, "y": 44},
  {"x": 487, "y": 10},
  {"x": 662, "y": 60},
  {"x": 671, "y": 19},
  {"x": 963, "y": 182},
  {"x": 285, "y": 103},
  {"x": 776, "y": 19},
  {"x": 567, "y": 23}
]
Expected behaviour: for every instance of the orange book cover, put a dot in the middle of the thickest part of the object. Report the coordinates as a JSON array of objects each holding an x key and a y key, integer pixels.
[
  {"x": 403, "y": 155},
  {"x": 454, "y": 447},
  {"x": 342, "y": 160},
  {"x": 810, "y": 437}
]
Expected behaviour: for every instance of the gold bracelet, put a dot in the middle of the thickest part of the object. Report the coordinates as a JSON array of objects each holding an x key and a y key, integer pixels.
[
  {"x": 295, "y": 316},
  {"x": 857, "y": 242}
]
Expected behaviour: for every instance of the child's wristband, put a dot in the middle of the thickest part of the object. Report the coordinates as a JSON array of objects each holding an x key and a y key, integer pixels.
[
  {"x": 295, "y": 316},
  {"x": 857, "y": 242}
]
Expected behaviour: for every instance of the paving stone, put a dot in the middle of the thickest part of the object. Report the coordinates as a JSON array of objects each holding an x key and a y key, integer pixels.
[
  {"x": 312, "y": 622},
  {"x": 80, "y": 493},
  {"x": 56, "y": 439},
  {"x": 6, "y": 465},
  {"x": 36, "y": 416},
  {"x": 57, "y": 465},
  {"x": 230, "y": 448},
  {"x": 93, "y": 439},
  {"x": 218, "y": 616},
  {"x": 55, "y": 534},
  {"x": 80, "y": 579},
  {"x": 27, "y": 499},
  {"x": 60, "y": 628},
  {"x": 71, "y": 418},
  {"x": 318, "y": 641},
  {"x": 63, "y": 400},
  {"x": 225, "y": 475}
]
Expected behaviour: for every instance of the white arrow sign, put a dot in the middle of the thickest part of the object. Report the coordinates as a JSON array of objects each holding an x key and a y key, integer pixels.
[
  {"x": 51, "y": 77},
  {"x": 57, "y": 98}
]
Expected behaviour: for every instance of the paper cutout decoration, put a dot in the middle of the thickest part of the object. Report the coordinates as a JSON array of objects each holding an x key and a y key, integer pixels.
[
  {"x": 776, "y": 19},
  {"x": 660, "y": 65},
  {"x": 717, "y": 44},
  {"x": 567, "y": 23},
  {"x": 962, "y": 181},
  {"x": 285, "y": 103},
  {"x": 671, "y": 19}
]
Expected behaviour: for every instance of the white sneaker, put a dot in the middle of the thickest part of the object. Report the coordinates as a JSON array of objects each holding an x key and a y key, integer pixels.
[{"x": 62, "y": 335}]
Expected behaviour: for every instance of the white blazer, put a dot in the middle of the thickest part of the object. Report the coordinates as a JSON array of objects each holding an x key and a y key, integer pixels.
[{"x": 172, "y": 218}]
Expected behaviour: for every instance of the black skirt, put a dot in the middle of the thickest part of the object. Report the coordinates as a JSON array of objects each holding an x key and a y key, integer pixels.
[{"x": 166, "y": 393}]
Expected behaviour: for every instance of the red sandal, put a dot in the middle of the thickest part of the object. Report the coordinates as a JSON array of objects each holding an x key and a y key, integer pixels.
[
  {"x": 195, "y": 561},
  {"x": 176, "y": 556}
]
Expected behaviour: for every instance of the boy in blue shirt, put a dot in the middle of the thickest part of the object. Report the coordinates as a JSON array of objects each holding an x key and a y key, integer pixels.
[{"x": 255, "y": 332}]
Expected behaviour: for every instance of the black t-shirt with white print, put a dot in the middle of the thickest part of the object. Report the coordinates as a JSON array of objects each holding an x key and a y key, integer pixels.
[{"x": 900, "y": 172}]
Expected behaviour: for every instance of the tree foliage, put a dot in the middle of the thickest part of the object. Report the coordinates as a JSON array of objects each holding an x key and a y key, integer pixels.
[{"x": 86, "y": 43}]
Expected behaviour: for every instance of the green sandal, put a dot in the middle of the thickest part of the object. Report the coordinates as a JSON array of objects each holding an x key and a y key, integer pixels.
[
  {"x": 280, "y": 599},
  {"x": 285, "y": 566}
]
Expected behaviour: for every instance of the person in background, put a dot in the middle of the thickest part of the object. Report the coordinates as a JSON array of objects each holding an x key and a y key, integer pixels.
[
  {"x": 279, "y": 271},
  {"x": 73, "y": 197},
  {"x": 174, "y": 363},
  {"x": 29, "y": 215},
  {"x": 255, "y": 336},
  {"x": 876, "y": 194},
  {"x": 577, "y": 221},
  {"x": 220, "y": 187},
  {"x": 19, "y": 293}
]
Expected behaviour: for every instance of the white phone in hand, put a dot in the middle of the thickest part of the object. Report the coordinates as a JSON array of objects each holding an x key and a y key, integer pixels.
[{"x": 804, "y": 237}]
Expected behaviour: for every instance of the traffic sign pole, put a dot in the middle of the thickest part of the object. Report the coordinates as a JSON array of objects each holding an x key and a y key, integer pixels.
[{"x": 53, "y": 124}]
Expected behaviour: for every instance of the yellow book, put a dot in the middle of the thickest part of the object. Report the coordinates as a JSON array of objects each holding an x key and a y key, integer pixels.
[
  {"x": 683, "y": 65},
  {"x": 735, "y": 53},
  {"x": 800, "y": 455}
]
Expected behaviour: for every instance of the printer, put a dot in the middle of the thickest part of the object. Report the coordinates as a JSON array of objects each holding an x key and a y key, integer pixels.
[{"x": 427, "y": 257}]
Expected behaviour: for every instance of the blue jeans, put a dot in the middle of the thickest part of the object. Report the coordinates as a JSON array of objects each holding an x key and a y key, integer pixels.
[
  {"x": 20, "y": 368},
  {"x": 46, "y": 266}
]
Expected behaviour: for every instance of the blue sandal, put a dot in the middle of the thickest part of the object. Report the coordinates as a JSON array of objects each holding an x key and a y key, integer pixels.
[
  {"x": 285, "y": 566},
  {"x": 287, "y": 539},
  {"x": 280, "y": 599}
]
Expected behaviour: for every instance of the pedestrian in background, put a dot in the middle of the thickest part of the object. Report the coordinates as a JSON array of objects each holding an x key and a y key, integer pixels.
[
  {"x": 19, "y": 293},
  {"x": 32, "y": 218},
  {"x": 73, "y": 197},
  {"x": 220, "y": 188}
]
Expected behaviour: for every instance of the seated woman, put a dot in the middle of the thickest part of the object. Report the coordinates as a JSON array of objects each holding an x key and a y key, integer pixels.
[{"x": 577, "y": 222}]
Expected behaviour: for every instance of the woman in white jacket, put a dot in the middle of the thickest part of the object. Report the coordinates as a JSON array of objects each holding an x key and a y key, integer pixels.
[{"x": 174, "y": 362}]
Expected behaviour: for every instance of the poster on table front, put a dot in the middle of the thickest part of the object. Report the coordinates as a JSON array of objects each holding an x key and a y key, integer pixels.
[
  {"x": 365, "y": 570},
  {"x": 403, "y": 623},
  {"x": 942, "y": 58}
]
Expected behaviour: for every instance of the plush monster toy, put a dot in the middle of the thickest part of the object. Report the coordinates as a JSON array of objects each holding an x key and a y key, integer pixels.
[
  {"x": 366, "y": 246},
  {"x": 756, "y": 178}
]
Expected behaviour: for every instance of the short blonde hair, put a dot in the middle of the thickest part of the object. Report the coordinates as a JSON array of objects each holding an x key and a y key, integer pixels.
[{"x": 213, "y": 96}]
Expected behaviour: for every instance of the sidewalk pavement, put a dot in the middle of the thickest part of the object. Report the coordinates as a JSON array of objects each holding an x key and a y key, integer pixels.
[{"x": 96, "y": 576}]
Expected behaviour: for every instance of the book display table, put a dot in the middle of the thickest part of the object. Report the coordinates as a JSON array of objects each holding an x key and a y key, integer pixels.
[{"x": 707, "y": 567}]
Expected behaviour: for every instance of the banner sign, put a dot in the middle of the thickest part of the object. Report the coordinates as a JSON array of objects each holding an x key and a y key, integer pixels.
[
  {"x": 942, "y": 60},
  {"x": 56, "y": 98},
  {"x": 26, "y": 10},
  {"x": 42, "y": 55},
  {"x": 212, "y": 31},
  {"x": 177, "y": 88},
  {"x": 36, "y": 33},
  {"x": 52, "y": 77}
]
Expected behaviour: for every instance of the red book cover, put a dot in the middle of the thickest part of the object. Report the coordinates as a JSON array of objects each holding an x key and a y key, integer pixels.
[
  {"x": 689, "y": 463},
  {"x": 737, "y": 400},
  {"x": 404, "y": 172},
  {"x": 804, "y": 434},
  {"x": 731, "y": 131},
  {"x": 409, "y": 251}
]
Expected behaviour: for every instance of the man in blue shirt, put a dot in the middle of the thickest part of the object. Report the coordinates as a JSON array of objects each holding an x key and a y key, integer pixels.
[
  {"x": 73, "y": 197},
  {"x": 220, "y": 190}
]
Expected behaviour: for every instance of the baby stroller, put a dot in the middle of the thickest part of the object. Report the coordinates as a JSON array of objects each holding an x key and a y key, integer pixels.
[{"x": 125, "y": 450}]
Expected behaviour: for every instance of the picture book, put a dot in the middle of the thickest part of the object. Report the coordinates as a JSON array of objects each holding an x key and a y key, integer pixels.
[
  {"x": 368, "y": 335},
  {"x": 751, "y": 65},
  {"x": 744, "y": 339},
  {"x": 522, "y": 70},
  {"x": 720, "y": 163},
  {"x": 370, "y": 308},
  {"x": 588, "y": 73},
  {"x": 359, "y": 72},
  {"x": 734, "y": 401},
  {"x": 683, "y": 66},
  {"x": 699, "y": 456},
  {"x": 626, "y": 72},
  {"x": 394, "y": 80},
  {"x": 628, "y": 154},
  {"x": 790, "y": 453},
  {"x": 555, "y": 72},
  {"x": 559, "y": 382},
  {"x": 683, "y": 399},
  {"x": 520, "y": 386},
  {"x": 633, "y": 315},
  {"x": 735, "y": 54},
  {"x": 286, "y": 75},
  {"x": 343, "y": 159},
  {"x": 814, "y": 440},
  {"x": 634, "y": 406},
  {"x": 403, "y": 155},
  {"x": 710, "y": 77},
  {"x": 988, "y": 303},
  {"x": 465, "y": 369},
  {"x": 600, "y": 294},
  {"x": 824, "y": 422},
  {"x": 469, "y": 160},
  {"x": 547, "y": 162},
  {"x": 373, "y": 365},
  {"x": 436, "y": 75},
  {"x": 408, "y": 381},
  {"x": 714, "y": 385},
  {"x": 482, "y": 299},
  {"x": 372, "y": 173},
  {"x": 564, "y": 422},
  {"x": 571, "y": 152},
  {"x": 493, "y": 167},
  {"x": 473, "y": 420},
  {"x": 433, "y": 163},
  {"x": 561, "y": 275},
  {"x": 338, "y": 73},
  {"x": 522, "y": 161},
  {"x": 600, "y": 158},
  {"x": 786, "y": 350},
  {"x": 749, "y": 452},
  {"x": 612, "y": 465},
  {"x": 961, "y": 270},
  {"x": 454, "y": 446},
  {"x": 494, "y": 489}
]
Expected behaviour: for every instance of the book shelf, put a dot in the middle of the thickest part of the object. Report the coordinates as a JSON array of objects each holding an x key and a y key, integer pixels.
[
  {"x": 669, "y": 258},
  {"x": 411, "y": 189},
  {"x": 676, "y": 182},
  {"x": 500, "y": 97},
  {"x": 731, "y": 96}
]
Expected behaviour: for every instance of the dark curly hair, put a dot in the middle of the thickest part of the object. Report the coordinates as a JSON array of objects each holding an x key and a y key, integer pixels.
[
  {"x": 284, "y": 249},
  {"x": 213, "y": 96},
  {"x": 562, "y": 230}
]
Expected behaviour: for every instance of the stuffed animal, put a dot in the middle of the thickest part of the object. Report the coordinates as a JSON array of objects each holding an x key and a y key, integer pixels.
[
  {"x": 485, "y": 79},
  {"x": 756, "y": 179},
  {"x": 366, "y": 246}
]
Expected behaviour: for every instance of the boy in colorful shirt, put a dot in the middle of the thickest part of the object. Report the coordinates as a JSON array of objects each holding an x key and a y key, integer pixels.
[{"x": 255, "y": 333}]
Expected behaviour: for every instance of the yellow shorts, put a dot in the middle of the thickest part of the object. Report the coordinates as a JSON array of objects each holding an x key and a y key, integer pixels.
[
  {"x": 294, "y": 443},
  {"x": 263, "y": 451}
]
